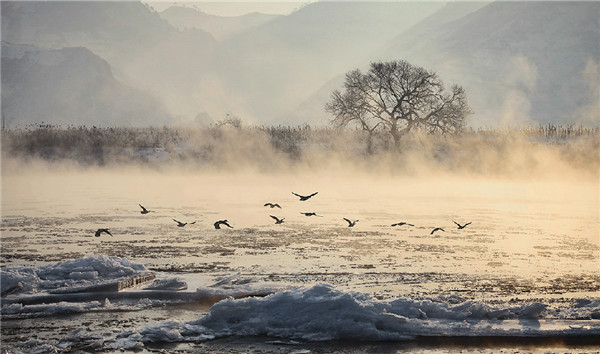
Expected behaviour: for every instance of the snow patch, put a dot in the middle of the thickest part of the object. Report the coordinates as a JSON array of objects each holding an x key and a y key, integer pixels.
[
  {"x": 73, "y": 273},
  {"x": 323, "y": 313},
  {"x": 168, "y": 284}
]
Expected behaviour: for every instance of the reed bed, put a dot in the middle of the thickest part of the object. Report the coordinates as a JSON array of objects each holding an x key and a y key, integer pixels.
[{"x": 483, "y": 150}]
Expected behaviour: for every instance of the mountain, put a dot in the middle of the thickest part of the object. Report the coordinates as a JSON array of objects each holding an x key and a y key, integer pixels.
[
  {"x": 114, "y": 30},
  {"x": 312, "y": 110},
  {"x": 69, "y": 86},
  {"x": 281, "y": 63},
  {"x": 220, "y": 27},
  {"x": 144, "y": 50},
  {"x": 520, "y": 62}
]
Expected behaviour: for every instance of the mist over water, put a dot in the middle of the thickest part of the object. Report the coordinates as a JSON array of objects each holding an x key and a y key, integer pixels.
[
  {"x": 546, "y": 151},
  {"x": 517, "y": 216},
  {"x": 229, "y": 173}
]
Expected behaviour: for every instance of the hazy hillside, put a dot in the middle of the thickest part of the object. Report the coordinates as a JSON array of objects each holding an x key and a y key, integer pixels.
[
  {"x": 312, "y": 109},
  {"x": 69, "y": 86},
  {"x": 283, "y": 62},
  {"x": 144, "y": 50},
  {"x": 116, "y": 31},
  {"x": 518, "y": 61},
  {"x": 220, "y": 27}
]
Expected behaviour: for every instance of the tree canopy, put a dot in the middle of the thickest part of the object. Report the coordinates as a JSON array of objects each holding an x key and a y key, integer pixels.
[{"x": 398, "y": 97}]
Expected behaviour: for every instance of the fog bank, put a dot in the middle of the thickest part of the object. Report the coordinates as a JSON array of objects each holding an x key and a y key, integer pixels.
[{"x": 552, "y": 152}]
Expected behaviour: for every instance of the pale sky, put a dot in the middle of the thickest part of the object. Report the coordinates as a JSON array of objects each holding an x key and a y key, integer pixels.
[{"x": 232, "y": 8}]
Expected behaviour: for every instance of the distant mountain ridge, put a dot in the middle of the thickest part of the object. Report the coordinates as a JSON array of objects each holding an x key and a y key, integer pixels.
[
  {"x": 410, "y": 39},
  {"x": 520, "y": 62},
  {"x": 113, "y": 30},
  {"x": 286, "y": 60},
  {"x": 69, "y": 86},
  {"x": 144, "y": 50},
  {"x": 220, "y": 27}
]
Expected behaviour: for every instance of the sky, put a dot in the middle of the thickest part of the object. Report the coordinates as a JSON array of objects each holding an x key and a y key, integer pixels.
[{"x": 232, "y": 8}]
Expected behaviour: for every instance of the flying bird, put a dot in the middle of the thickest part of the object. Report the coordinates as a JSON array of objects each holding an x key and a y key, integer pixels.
[
  {"x": 277, "y": 220},
  {"x": 437, "y": 229},
  {"x": 222, "y": 222},
  {"x": 311, "y": 214},
  {"x": 303, "y": 197},
  {"x": 100, "y": 231},
  {"x": 350, "y": 222},
  {"x": 402, "y": 223},
  {"x": 182, "y": 224},
  {"x": 273, "y": 205},
  {"x": 144, "y": 210},
  {"x": 460, "y": 227}
]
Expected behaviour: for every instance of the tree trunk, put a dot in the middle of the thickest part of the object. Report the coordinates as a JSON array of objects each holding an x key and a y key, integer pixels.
[
  {"x": 370, "y": 144},
  {"x": 396, "y": 136}
]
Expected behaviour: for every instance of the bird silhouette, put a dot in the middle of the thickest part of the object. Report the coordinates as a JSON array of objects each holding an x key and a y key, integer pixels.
[
  {"x": 303, "y": 197},
  {"x": 437, "y": 229},
  {"x": 273, "y": 205},
  {"x": 350, "y": 222},
  {"x": 402, "y": 223},
  {"x": 277, "y": 220},
  {"x": 144, "y": 210},
  {"x": 222, "y": 222},
  {"x": 460, "y": 227},
  {"x": 182, "y": 224},
  {"x": 311, "y": 214},
  {"x": 100, "y": 231}
]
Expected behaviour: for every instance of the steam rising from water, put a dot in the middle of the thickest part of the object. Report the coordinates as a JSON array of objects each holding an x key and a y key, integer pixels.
[
  {"x": 230, "y": 172},
  {"x": 228, "y": 167},
  {"x": 589, "y": 114},
  {"x": 545, "y": 152}
]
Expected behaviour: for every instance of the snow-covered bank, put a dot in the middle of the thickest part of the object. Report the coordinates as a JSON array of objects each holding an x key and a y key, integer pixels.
[{"x": 322, "y": 313}]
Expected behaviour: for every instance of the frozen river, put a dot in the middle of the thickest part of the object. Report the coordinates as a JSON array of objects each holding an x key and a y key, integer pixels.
[{"x": 529, "y": 242}]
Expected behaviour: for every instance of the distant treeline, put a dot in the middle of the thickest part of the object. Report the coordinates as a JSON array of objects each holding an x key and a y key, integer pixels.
[{"x": 271, "y": 147}]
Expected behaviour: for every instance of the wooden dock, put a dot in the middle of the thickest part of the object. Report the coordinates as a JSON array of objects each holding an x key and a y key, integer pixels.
[
  {"x": 106, "y": 290},
  {"x": 112, "y": 286},
  {"x": 132, "y": 282}
]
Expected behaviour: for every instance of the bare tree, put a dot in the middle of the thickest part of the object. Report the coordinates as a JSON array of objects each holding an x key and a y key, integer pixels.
[
  {"x": 353, "y": 110},
  {"x": 231, "y": 120},
  {"x": 398, "y": 97}
]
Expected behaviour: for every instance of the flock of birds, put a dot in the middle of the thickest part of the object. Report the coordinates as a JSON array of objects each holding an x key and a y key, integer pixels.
[{"x": 219, "y": 223}]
